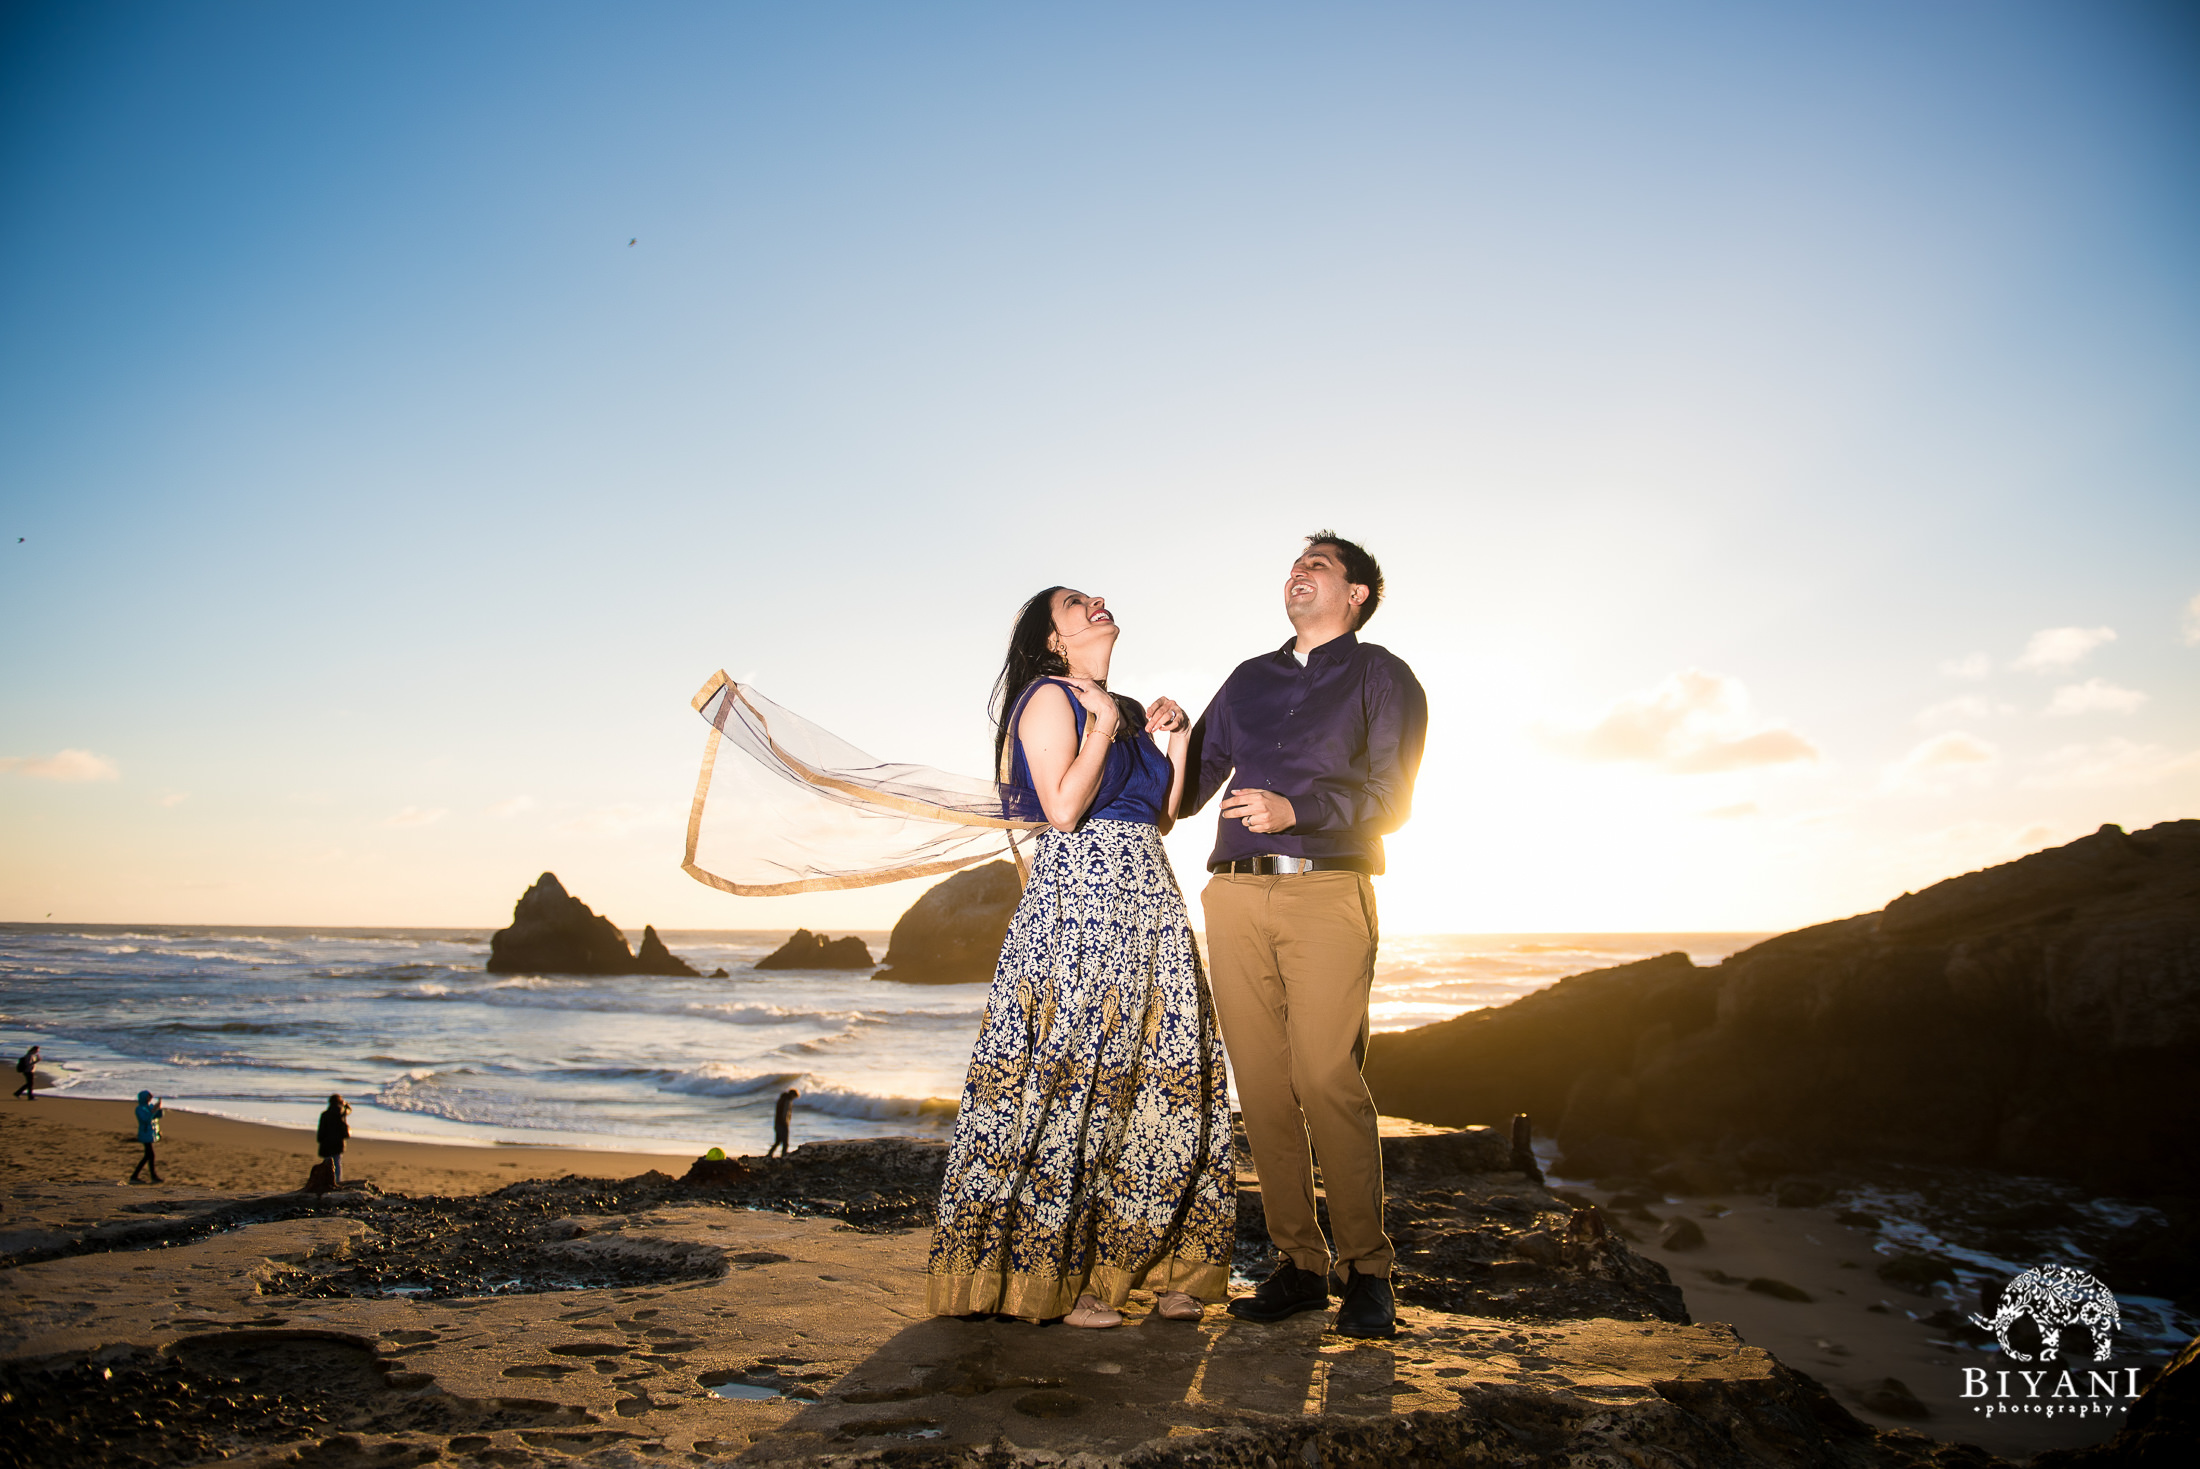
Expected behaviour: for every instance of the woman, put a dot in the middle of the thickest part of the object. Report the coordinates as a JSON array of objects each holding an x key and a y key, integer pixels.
[
  {"x": 148, "y": 1133},
  {"x": 1092, "y": 1153},
  {"x": 331, "y": 1134}
]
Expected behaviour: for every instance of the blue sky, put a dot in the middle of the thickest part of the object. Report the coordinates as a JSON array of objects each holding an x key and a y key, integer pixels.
[{"x": 1698, "y": 372}]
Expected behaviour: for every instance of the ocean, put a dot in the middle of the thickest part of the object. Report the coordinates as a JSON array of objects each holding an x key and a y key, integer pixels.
[{"x": 262, "y": 1024}]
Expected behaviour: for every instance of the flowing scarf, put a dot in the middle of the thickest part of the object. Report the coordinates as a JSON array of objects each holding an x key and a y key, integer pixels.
[{"x": 808, "y": 812}]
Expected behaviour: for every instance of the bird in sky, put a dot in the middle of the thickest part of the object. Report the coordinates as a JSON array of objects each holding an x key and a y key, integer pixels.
[{"x": 629, "y": 244}]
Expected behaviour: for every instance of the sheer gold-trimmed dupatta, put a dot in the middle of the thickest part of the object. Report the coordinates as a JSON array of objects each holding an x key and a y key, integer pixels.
[{"x": 808, "y": 812}]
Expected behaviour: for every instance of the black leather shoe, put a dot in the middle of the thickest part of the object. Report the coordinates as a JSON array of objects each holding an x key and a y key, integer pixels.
[
  {"x": 1367, "y": 1308},
  {"x": 1286, "y": 1293}
]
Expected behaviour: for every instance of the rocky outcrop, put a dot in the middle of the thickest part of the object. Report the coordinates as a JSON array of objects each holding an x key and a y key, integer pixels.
[
  {"x": 554, "y": 932},
  {"x": 2157, "y": 1433},
  {"x": 952, "y": 935},
  {"x": 1466, "y": 1150},
  {"x": 654, "y": 958},
  {"x": 807, "y": 950},
  {"x": 2042, "y": 1016}
]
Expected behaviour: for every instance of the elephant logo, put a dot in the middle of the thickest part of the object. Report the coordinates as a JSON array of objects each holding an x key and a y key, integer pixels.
[{"x": 2054, "y": 1296}]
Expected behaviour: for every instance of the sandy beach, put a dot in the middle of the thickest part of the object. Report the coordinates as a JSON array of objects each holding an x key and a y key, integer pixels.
[
  {"x": 1836, "y": 1321},
  {"x": 62, "y": 1159},
  {"x": 1836, "y": 1336},
  {"x": 619, "y": 1323}
]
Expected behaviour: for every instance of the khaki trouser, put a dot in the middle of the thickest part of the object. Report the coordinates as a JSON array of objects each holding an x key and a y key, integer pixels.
[{"x": 1291, "y": 959}]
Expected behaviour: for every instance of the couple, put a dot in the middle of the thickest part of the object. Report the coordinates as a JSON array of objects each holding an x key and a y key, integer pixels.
[{"x": 1092, "y": 1153}]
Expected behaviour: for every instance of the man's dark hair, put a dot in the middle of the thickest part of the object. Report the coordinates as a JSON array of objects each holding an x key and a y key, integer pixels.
[{"x": 1360, "y": 569}]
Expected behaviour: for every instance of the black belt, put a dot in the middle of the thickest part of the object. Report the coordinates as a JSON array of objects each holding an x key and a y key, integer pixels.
[{"x": 1271, "y": 866}]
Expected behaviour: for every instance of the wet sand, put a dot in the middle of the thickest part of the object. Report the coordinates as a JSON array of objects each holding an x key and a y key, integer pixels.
[{"x": 64, "y": 1139}]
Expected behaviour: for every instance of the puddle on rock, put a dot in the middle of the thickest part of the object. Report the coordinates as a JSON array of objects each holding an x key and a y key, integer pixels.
[{"x": 757, "y": 1383}]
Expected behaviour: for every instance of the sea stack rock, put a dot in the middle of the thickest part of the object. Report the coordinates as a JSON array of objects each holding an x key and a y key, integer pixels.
[
  {"x": 2042, "y": 1016},
  {"x": 807, "y": 950},
  {"x": 952, "y": 935},
  {"x": 655, "y": 958},
  {"x": 554, "y": 932}
]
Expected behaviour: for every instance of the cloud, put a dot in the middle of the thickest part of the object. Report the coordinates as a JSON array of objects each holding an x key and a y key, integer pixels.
[
  {"x": 2192, "y": 621},
  {"x": 2060, "y": 647},
  {"x": 67, "y": 765},
  {"x": 1734, "y": 812},
  {"x": 505, "y": 810},
  {"x": 2110, "y": 763},
  {"x": 174, "y": 798},
  {"x": 1693, "y": 723},
  {"x": 416, "y": 816},
  {"x": 1766, "y": 747},
  {"x": 1974, "y": 666},
  {"x": 1932, "y": 763},
  {"x": 2095, "y": 696}
]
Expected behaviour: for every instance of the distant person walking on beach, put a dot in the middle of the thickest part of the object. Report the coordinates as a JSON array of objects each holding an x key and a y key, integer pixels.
[
  {"x": 1317, "y": 743},
  {"x": 331, "y": 1133},
  {"x": 782, "y": 1115},
  {"x": 148, "y": 1133},
  {"x": 1091, "y": 1156},
  {"x": 28, "y": 1066}
]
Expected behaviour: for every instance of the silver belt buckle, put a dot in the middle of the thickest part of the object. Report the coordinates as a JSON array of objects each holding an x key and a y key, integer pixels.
[{"x": 1282, "y": 866}]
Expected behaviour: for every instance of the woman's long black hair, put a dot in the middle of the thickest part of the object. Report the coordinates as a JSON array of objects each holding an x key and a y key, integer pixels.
[{"x": 1029, "y": 660}]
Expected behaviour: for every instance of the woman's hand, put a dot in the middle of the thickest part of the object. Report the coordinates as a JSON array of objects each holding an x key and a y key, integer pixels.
[
  {"x": 1165, "y": 714},
  {"x": 1100, "y": 705}
]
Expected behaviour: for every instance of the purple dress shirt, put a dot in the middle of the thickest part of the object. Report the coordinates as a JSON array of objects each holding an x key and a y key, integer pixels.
[{"x": 1340, "y": 739}]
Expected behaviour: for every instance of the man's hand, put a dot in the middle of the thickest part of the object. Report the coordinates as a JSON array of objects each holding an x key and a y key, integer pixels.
[{"x": 1261, "y": 811}]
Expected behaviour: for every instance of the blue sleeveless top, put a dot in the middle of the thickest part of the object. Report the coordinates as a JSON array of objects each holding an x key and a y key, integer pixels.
[{"x": 1133, "y": 784}]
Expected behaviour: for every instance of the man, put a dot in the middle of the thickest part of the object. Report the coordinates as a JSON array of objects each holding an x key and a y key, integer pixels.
[
  {"x": 782, "y": 1117},
  {"x": 27, "y": 1068},
  {"x": 1323, "y": 736}
]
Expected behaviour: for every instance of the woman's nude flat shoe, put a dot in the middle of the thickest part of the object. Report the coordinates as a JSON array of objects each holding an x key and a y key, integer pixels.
[
  {"x": 1177, "y": 1306},
  {"x": 1090, "y": 1313}
]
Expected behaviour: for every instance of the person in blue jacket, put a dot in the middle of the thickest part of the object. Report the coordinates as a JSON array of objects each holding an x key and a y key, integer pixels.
[{"x": 148, "y": 1118}]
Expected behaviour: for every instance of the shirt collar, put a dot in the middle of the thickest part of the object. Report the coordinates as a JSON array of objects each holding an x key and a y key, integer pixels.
[{"x": 1336, "y": 647}]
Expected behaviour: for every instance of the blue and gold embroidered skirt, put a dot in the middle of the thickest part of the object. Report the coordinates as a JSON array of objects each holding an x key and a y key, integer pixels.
[{"x": 1092, "y": 1152}]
